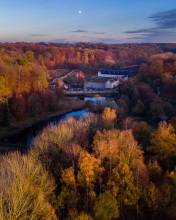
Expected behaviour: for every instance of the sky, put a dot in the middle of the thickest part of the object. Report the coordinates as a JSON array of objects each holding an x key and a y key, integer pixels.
[{"x": 108, "y": 21}]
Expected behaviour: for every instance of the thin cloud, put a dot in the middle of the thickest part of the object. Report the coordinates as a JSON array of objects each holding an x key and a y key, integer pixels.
[
  {"x": 95, "y": 32},
  {"x": 164, "y": 28},
  {"x": 80, "y": 31},
  {"x": 38, "y": 35},
  {"x": 90, "y": 32},
  {"x": 155, "y": 36},
  {"x": 165, "y": 20},
  {"x": 139, "y": 31}
]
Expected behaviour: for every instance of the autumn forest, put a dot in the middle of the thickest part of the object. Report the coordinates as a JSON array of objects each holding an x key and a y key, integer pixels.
[{"x": 114, "y": 163}]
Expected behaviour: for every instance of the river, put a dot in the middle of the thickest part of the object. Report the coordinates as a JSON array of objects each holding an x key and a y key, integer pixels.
[{"x": 26, "y": 137}]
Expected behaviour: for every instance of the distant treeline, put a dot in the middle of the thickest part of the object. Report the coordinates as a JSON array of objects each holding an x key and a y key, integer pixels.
[{"x": 54, "y": 55}]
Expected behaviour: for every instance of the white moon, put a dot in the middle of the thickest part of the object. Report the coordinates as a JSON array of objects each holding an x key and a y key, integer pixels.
[{"x": 80, "y": 11}]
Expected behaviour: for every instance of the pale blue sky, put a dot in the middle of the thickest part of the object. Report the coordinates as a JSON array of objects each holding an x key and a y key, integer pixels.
[{"x": 109, "y": 21}]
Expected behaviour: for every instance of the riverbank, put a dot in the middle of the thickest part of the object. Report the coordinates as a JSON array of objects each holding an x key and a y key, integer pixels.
[{"x": 69, "y": 105}]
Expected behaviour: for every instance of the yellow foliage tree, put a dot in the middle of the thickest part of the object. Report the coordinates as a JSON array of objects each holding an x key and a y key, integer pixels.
[
  {"x": 163, "y": 142},
  {"x": 4, "y": 90},
  {"x": 68, "y": 197},
  {"x": 122, "y": 185},
  {"x": 68, "y": 177},
  {"x": 109, "y": 145},
  {"x": 109, "y": 118},
  {"x": 153, "y": 197},
  {"x": 89, "y": 170},
  {"x": 105, "y": 146},
  {"x": 84, "y": 216},
  {"x": 39, "y": 78}
]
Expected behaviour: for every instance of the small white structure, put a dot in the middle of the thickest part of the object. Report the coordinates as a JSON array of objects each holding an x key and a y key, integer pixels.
[
  {"x": 102, "y": 83},
  {"x": 113, "y": 73},
  {"x": 112, "y": 83}
]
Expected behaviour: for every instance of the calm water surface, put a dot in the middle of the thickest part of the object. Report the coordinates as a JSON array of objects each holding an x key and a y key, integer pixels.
[{"x": 26, "y": 137}]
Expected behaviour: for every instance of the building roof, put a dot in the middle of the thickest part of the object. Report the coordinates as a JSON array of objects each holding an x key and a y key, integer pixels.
[
  {"x": 114, "y": 79},
  {"x": 98, "y": 79},
  {"x": 115, "y": 72}
]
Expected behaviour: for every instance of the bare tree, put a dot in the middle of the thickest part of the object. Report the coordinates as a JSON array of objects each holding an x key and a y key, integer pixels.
[
  {"x": 71, "y": 152},
  {"x": 26, "y": 189}
]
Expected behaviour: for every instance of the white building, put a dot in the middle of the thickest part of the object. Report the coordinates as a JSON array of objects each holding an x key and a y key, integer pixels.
[
  {"x": 113, "y": 73},
  {"x": 112, "y": 83},
  {"x": 102, "y": 82}
]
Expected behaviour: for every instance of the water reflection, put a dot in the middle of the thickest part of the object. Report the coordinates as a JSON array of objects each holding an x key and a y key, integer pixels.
[
  {"x": 97, "y": 100},
  {"x": 26, "y": 137}
]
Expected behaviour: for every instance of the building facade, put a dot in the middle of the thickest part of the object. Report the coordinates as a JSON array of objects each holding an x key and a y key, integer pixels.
[
  {"x": 94, "y": 85},
  {"x": 113, "y": 73},
  {"x": 112, "y": 83}
]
